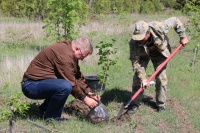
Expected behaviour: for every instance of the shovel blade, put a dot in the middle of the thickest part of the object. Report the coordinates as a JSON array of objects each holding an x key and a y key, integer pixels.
[{"x": 121, "y": 111}]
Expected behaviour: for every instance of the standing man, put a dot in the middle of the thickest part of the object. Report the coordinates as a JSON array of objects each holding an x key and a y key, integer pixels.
[
  {"x": 54, "y": 74},
  {"x": 150, "y": 42}
]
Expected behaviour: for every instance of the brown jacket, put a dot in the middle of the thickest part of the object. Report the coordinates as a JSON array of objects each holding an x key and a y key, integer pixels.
[{"x": 58, "y": 61}]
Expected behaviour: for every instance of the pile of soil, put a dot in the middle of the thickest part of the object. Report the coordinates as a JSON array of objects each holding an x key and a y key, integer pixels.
[{"x": 77, "y": 107}]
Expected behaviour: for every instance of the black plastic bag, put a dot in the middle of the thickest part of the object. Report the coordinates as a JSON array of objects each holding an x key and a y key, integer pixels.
[{"x": 98, "y": 114}]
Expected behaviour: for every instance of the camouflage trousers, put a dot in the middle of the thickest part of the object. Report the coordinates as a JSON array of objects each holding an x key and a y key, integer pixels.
[{"x": 160, "y": 79}]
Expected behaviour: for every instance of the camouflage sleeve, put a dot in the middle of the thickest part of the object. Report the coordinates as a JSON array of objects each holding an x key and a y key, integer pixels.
[
  {"x": 134, "y": 58},
  {"x": 175, "y": 23}
]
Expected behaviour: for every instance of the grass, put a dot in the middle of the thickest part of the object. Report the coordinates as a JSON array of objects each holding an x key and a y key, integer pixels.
[{"x": 28, "y": 38}]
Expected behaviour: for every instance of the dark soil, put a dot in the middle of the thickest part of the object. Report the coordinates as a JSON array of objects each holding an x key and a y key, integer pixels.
[
  {"x": 123, "y": 118},
  {"x": 77, "y": 107}
]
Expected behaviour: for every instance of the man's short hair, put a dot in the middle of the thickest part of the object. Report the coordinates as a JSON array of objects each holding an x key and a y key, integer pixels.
[{"x": 84, "y": 43}]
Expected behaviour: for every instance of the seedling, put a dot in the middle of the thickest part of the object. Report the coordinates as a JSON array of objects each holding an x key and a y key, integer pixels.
[{"x": 106, "y": 53}]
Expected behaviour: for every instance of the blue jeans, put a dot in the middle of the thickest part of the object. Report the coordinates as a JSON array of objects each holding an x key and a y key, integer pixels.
[{"x": 54, "y": 91}]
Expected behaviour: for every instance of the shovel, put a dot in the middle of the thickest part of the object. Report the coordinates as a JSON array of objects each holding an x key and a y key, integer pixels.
[{"x": 125, "y": 105}]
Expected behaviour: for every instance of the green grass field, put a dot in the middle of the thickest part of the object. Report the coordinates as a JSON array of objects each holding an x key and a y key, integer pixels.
[{"x": 21, "y": 40}]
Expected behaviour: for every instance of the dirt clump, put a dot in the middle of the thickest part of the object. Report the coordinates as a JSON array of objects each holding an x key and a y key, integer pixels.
[
  {"x": 125, "y": 117},
  {"x": 77, "y": 107}
]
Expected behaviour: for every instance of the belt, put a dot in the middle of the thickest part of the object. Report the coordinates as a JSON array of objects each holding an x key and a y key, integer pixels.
[
  {"x": 22, "y": 82},
  {"x": 25, "y": 78}
]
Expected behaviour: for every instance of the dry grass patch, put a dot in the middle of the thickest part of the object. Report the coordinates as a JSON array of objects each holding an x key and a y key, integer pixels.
[
  {"x": 21, "y": 31},
  {"x": 12, "y": 69}
]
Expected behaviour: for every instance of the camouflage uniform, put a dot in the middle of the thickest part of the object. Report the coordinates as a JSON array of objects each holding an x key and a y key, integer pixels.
[{"x": 157, "y": 52}]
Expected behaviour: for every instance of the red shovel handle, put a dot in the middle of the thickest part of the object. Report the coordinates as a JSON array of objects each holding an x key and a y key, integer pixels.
[{"x": 156, "y": 72}]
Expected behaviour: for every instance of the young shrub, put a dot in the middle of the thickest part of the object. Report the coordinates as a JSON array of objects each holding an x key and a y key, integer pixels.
[
  {"x": 65, "y": 18},
  {"x": 106, "y": 51},
  {"x": 20, "y": 106}
]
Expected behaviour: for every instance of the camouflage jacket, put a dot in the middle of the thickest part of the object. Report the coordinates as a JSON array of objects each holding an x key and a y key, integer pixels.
[{"x": 158, "y": 32}]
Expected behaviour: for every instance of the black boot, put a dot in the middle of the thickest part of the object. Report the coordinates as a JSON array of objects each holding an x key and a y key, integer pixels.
[{"x": 160, "y": 108}]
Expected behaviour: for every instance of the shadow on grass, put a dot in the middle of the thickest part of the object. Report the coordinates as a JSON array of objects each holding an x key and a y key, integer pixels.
[
  {"x": 115, "y": 95},
  {"x": 122, "y": 96},
  {"x": 148, "y": 101}
]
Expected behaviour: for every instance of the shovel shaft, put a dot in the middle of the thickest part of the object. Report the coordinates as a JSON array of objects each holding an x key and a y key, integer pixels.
[{"x": 156, "y": 72}]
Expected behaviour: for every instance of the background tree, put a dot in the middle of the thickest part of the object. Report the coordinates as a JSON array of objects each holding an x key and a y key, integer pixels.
[
  {"x": 37, "y": 9},
  {"x": 101, "y": 6},
  {"x": 33, "y": 9},
  {"x": 168, "y": 3},
  {"x": 147, "y": 7},
  {"x": 127, "y": 6},
  {"x": 64, "y": 18},
  {"x": 192, "y": 9},
  {"x": 13, "y": 8},
  {"x": 136, "y": 6},
  {"x": 118, "y": 6},
  {"x": 180, "y": 4},
  {"x": 157, "y": 5}
]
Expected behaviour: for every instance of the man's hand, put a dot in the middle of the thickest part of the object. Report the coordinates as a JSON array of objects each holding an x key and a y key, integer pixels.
[
  {"x": 90, "y": 102},
  {"x": 94, "y": 96},
  {"x": 183, "y": 41},
  {"x": 145, "y": 84}
]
